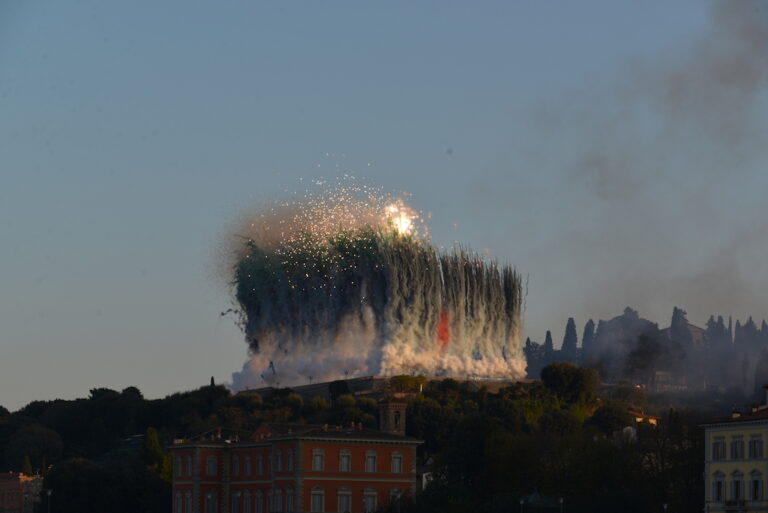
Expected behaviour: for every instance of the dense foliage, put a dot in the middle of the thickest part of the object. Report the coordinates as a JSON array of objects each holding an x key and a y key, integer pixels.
[{"x": 562, "y": 437}]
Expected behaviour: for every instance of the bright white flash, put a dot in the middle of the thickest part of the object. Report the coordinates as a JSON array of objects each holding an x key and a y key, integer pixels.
[{"x": 401, "y": 218}]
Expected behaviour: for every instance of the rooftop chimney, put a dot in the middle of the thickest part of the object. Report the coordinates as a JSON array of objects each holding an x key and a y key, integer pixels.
[{"x": 392, "y": 416}]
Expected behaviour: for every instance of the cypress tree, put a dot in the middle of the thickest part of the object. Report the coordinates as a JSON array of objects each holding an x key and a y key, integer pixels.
[
  {"x": 26, "y": 466},
  {"x": 569, "y": 349},
  {"x": 152, "y": 450},
  {"x": 730, "y": 330},
  {"x": 549, "y": 348},
  {"x": 588, "y": 341}
]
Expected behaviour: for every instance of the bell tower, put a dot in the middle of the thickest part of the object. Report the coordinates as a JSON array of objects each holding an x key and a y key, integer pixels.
[{"x": 392, "y": 416}]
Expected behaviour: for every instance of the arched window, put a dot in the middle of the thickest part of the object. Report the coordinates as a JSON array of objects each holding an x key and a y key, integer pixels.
[
  {"x": 278, "y": 503},
  {"x": 369, "y": 500},
  {"x": 289, "y": 461},
  {"x": 235, "y": 465},
  {"x": 317, "y": 500},
  {"x": 259, "y": 500},
  {"x": 756, "y": 485},
  {"x": 177, "y": 503},
  {"x": 189, "y": 466},
  {"x": 345, "y": 499},
  {"x": 211, "y": 501},
  {"x": 188, "y": 502},
  {"x": 289, "y": 500},
  {"x": 234, "y": 502},
  {"x": 279, "y": 461},
  {"x": 395, "y": 495},
  {"x": 259, "y": 464},
  {"x": 246, "y": 502},
  {"x": 210, "y": 465},
  {"x": 177, "y": 466},
  {"x": 737, "y": 486}
]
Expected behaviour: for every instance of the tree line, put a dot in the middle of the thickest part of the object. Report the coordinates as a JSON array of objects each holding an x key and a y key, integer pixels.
[
  {"x": 720, "y": 355},
  {"x": 561, "y": 437}
]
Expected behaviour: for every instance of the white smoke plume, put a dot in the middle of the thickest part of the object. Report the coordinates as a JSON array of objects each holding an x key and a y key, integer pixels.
[{"x": 345, "y": 282}]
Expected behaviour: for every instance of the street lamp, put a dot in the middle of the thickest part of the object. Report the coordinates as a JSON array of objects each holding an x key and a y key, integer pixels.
[
  {"x": 665, "y": 507},
  {"x": 561, "y": 504},
  {"x": 48, "y": 492},
  {"x": 521, "y": 505}
]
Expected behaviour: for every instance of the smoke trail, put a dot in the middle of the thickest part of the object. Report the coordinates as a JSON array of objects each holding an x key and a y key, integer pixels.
[
  {"x": 345, "y": 282},
  {"x": 665, "y": 159}
]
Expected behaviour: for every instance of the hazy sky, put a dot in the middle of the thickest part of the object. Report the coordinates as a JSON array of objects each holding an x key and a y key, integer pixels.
[{"x": 613, "y": 151}]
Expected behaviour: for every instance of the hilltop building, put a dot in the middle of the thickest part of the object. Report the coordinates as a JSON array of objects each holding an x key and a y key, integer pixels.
[{"x": 294, "y": 468}]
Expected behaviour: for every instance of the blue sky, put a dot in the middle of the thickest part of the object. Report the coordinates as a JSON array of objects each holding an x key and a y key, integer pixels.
[{"x": 134, "y": 134}]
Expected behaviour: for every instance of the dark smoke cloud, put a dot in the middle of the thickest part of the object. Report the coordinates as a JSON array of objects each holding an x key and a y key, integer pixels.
[
  {"x": 665, "y": 169},
  {"x": 705, "y": 101}
]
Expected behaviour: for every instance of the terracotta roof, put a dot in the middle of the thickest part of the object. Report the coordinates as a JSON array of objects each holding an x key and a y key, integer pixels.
[
  {"x": 286, "y": 431},
  {"x": 643, "y": 415},
  {"x": 744, "y": 417}
]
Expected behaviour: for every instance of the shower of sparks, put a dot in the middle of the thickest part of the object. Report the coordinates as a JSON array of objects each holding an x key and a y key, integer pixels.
[{"x": 344, "y": 279}]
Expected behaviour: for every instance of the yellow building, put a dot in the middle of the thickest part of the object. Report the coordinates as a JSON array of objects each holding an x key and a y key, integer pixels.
[{"x": 735, "y": 465}]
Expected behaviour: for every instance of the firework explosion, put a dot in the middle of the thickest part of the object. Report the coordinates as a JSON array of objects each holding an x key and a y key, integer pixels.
[{"x": 345, "y": 282}]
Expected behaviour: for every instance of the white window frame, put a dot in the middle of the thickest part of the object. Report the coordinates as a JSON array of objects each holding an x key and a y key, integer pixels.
[
  {"x": 318, "y": 460},
  {"x": 345, "y": 455},
  {"x": 318, "y": 493},
  {"x": 397, "y": 456},
  {"x": 345, "y": 492},
  {"x": 368, "y": 494},
  {"x": 370, "y": 456}
]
